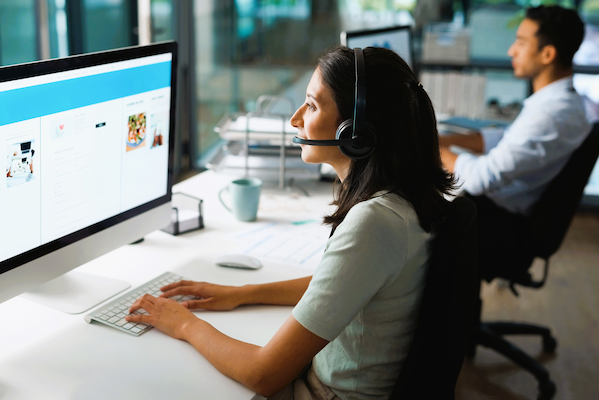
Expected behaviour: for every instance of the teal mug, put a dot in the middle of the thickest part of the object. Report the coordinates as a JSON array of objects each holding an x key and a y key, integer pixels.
[{"x": 245, "y": 196}]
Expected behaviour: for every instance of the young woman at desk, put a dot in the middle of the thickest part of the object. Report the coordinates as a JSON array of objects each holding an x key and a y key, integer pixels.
[{"x": 353, "y": 321}]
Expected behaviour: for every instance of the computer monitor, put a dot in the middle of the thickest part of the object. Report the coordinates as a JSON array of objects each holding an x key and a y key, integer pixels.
[
  {"x": 88, "y": 144},
  {"x": 397, "y": 38}
]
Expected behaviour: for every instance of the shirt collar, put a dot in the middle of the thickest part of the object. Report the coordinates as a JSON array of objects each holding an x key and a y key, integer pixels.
[{"x": 550, "y": 91}]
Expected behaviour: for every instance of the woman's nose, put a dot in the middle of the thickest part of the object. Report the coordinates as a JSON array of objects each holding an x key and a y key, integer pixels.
[{"x": 297, "y": 121}]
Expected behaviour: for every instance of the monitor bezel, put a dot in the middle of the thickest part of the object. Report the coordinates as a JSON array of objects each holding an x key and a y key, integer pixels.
[
  {"x": 29, "y": 70},
  {"x": 345, "y": 36}
]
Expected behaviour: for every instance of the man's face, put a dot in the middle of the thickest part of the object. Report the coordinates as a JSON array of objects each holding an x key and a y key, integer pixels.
[{"x": 525, "y": 52}]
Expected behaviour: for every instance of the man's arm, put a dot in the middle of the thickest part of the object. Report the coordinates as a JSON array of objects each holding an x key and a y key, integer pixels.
[
  {"x": 472, "y": 141},
  {"x": 448, "y": 158}
]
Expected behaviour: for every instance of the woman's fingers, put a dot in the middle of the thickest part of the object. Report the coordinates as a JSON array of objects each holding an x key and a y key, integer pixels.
[
  {"x": 181, "y": 288},
  {"x": 146, "y": 302},
  {"x": 139, "y": 318},
  {"x": 177, "y": 284},
  {"x": 184, "y": 290}
]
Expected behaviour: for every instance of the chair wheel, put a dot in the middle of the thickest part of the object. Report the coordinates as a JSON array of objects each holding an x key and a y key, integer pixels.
[
  {"x": 546, "y": 390},
  {"x": 549, "y": 344}
]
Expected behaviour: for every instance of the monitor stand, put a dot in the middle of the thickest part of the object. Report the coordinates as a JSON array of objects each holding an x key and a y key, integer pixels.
[{"x": 76, "y": 292}]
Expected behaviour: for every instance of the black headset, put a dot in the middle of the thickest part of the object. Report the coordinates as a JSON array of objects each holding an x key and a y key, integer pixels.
[{"x": 355, "y": 137}]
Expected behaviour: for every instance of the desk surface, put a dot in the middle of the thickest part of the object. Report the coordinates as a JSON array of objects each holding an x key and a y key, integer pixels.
[{"x": 51, "y": 355}]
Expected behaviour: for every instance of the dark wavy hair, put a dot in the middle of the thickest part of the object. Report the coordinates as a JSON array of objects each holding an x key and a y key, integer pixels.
[
  {"x": 406, "y": 159},
  {"x": 559, "y": 27}
]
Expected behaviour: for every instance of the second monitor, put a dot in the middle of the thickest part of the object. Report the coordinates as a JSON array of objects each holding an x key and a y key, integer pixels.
[{"x": 396, "y": 38}]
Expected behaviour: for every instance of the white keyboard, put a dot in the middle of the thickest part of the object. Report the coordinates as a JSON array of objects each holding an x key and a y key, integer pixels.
[{"x": 113, "y": 314}]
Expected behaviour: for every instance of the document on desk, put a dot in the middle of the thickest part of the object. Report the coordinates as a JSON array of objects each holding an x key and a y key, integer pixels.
[{"x": 298, "y": 243}]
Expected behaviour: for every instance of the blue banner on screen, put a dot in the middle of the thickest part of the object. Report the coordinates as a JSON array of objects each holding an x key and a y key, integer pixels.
[{"x": 46, "y": 99}]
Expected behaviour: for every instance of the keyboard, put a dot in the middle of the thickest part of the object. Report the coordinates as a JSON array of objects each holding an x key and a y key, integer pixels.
[{"x": 113, "y": 314}]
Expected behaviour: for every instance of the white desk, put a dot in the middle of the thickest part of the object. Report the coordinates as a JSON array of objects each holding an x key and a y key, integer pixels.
[{"x": 45, "y": 354}]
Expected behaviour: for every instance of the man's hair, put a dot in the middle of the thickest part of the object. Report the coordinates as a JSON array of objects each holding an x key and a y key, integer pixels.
[
  {"x": 559, "y": 27},
  {"x": 406, "y": 158}
]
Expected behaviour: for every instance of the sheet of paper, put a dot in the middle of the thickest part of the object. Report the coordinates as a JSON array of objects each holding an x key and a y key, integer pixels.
[{"x": 298, "y": 243}]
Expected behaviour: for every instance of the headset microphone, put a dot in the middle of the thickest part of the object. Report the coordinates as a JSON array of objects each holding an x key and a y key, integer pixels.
[
  {"x": 355, "y": 137},
  {"x": 356, "y": 142}
]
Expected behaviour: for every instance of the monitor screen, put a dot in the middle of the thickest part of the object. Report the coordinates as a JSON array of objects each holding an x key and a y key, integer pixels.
[
  {"x": 86, "y": 143},
  {"x": 398, "y": 39}
]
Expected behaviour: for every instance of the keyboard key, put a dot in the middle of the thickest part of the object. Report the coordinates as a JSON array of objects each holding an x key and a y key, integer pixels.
[
  {"x": 121, "y": 322},
  {"x": 128, "y": 326},
  {"x": 113, "y": 320},
  {"x": 136, "y": 330}
]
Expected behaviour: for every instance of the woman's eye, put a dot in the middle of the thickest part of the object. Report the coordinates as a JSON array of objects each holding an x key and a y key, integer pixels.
[{"x": 311, "y": 107}]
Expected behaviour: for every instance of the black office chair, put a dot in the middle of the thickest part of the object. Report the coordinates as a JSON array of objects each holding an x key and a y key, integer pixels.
[
  {"x": 549, "y": 222},
  {"x": 447, "y": 310}
]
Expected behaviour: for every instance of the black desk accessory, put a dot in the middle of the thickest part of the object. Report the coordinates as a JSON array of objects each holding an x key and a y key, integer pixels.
[{"x": 178, "y": 225}]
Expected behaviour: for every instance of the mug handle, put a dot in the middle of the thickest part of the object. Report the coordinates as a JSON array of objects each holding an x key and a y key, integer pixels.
[{"x": 221, "y": 199}]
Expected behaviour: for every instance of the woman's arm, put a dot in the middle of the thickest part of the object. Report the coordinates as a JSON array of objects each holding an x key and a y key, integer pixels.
[
  {"x": 266, "y": 370},
  {"x": 217, "y": 297}
]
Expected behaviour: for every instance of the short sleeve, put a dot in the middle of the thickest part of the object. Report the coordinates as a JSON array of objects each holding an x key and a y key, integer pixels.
[{"x": 367, "y": 250}]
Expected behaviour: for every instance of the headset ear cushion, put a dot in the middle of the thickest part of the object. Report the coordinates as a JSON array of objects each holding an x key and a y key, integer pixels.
[{"x": 345, "y": 130}]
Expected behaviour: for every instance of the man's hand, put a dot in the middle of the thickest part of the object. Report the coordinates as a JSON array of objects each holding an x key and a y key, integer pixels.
[
  {"x": 448, "y": 158},
  {"x": 471, "y": 141}
]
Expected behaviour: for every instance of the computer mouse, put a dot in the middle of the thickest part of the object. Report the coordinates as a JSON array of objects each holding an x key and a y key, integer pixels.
[{"x": 238, "y": 261}]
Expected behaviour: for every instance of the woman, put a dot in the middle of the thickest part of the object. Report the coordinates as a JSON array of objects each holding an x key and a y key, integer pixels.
[{"x": 362, "y": 301}]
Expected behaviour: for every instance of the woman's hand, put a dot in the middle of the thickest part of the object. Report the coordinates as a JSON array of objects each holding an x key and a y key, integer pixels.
[
  {"x": 165, "y": 314},
  {"x": 213, "y": 297}
]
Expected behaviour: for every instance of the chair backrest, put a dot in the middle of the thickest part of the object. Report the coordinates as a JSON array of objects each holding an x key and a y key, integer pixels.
[
  {"x": 447, "y": 311},
  {"x": 553, "y": 212}
]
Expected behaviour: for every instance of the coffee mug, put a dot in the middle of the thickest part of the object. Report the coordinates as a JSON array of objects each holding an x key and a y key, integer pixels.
[{"x": 245, "y": 196}]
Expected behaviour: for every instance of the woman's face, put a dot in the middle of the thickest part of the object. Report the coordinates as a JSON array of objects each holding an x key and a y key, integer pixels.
[{"x": 317, "y": 119}]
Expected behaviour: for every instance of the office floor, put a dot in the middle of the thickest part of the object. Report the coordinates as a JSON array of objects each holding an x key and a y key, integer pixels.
[{"x": 568, "y": 304}]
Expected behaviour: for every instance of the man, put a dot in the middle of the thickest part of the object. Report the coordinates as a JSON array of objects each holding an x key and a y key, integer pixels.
[{"x": 517, "y": 164}]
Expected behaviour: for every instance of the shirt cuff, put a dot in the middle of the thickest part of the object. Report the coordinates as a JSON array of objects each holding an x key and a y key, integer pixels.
[
  {"x": 491, "y": 136},
  {"x": 462, "y": 170}
]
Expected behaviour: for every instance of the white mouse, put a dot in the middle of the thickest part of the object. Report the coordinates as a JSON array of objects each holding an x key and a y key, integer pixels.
[{"x": 238, "y": 261}]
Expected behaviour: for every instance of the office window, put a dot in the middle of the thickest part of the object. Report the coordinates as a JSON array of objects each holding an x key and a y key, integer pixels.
[
  {"x": 247, "y": 48},
  {"x": 162, "y": 20},
  {"x": 17, "y": 32},
  {"x": 58, "y": 29},
  {"x": 102, "y": 24}
]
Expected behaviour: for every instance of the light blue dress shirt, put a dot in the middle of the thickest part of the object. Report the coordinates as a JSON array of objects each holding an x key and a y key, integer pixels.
[{"x": 519, "y": 162}]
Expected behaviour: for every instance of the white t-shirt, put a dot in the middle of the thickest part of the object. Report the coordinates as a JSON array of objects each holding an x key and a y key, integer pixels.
[{"x": 364, "y": 297}]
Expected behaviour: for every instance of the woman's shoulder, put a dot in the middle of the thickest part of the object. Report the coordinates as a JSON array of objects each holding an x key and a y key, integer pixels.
[{"x": 383, "y": 208}]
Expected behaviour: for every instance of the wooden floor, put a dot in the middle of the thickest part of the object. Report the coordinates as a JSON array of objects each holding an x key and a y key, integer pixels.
[{"x": 568, "y": 304}]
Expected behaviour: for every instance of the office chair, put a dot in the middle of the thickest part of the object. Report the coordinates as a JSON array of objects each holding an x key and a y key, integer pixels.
[
  {"x": 549, "y": 222},
  {"x": 448, "y": 307}
]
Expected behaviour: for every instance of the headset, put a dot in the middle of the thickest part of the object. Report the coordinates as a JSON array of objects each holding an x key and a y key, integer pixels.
[{"x": 355, "y": 137}]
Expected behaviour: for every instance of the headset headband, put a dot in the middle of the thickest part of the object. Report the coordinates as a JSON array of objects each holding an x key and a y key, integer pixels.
[{"x": 360, "y": 93}]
